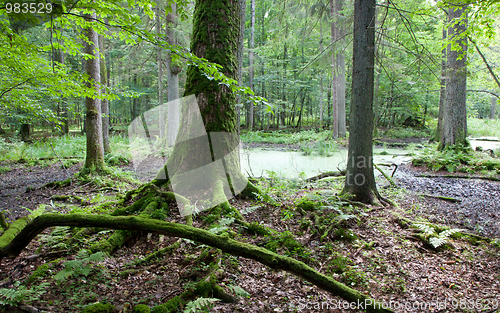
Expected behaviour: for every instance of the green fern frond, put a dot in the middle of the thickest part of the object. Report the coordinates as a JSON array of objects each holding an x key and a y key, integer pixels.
[
  {"x": 428, "y": 230},
  {"x": 437, "y": 242},
  {"x": 200, "y": 305},
  {"x": 449, "y": 232},
  {"x": 11, "y": 296},
  {"x": 250, "y": 209},
  {"x": 238, "y": 291}
]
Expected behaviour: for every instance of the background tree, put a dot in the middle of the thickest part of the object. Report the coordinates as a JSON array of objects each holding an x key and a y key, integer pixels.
[{"x": 94, "y": 159}]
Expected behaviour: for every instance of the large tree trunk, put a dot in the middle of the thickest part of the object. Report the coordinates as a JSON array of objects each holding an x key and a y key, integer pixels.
[
  {"x": 360, "y": 180},
  {"x": 173, "y": 70},
  {"x": 104, "y": 102},
  {"x": 455, "y": 110},
  {"x": 205, "y": 156},
  {"x": 93, "y": 122},
  {"x": 251, "y": 45}
]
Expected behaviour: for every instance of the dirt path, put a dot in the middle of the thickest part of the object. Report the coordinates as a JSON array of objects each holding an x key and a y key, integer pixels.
[{"x": 478, "y": 209}]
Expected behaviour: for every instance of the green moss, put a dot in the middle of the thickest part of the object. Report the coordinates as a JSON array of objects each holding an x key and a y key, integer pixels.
[
  {"x": 256, "y": 228},
  {"x": 172, "y": 305},
  {"x": 42, "y": 271},
  {"x": 141, "y": 308},
  {"x": 99, "y": 308},
  {"x": 14, "y": 229},
  {"x": 344, "y": 234}
]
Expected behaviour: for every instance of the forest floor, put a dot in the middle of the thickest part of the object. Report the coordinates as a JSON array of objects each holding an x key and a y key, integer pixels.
[{"x": 372, "y": 250}]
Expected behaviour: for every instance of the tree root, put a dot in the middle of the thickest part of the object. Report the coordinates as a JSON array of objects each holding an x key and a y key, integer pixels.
[{"x": 12, "y": 247}]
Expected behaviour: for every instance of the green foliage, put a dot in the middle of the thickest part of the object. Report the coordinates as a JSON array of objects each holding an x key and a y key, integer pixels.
[
  {"x": 407, "y": 133},
  {"x": 282, "y": 137},
  {"x": 483, "y": 127},
  {"x": 321, "y": 148},
  {"x": 338, "y": 263},
  {"x": 436, "y": 239},
  {"x": 22, "y": 294},
  {"x": 83, "y": 265},
  {"x": 57, "y": 238},
  {"x": 200, "y": 305},
  {"x": 99, "y": 308},
  {"x": 456, "y": 158}
]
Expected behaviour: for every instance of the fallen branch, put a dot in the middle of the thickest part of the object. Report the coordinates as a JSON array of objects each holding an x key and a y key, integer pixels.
[
  {"x": 325, "y": 175},
  {"x": 389, "y": 179},
  {"x": 459, "y": 176},
  {"x": 13, "y": 247},
  {"x": 449, "y": 199}
]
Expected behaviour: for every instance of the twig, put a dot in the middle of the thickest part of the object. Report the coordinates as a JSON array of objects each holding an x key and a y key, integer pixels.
[
  {"x": 64, "y": 167},
  {"x": 449, "y": 199},
  {"x": 389, "y": 179}
]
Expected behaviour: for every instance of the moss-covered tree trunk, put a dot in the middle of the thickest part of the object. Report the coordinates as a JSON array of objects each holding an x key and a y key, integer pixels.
[
  {"x": 360, "y": 180},
  {"x": 205, "y": 152}
]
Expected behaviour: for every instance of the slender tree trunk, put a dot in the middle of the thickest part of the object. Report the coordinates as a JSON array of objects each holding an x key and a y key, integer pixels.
[
  {"x": 493, "y": 107},
  {"x": 104, "y": 102},
  {"x": 95, "y": 151},
  {"x": 360, "y": 180},
  {"x": 173, "y": 71},
  {"x": 159, "y": 60},
  {"x": 241, "y": 46},
  {"x": 455, "y": 110},
  {"x": 442, "y": 92},
  {"x": 341, "y": 71},
  {"x": 251, "y": 44}
]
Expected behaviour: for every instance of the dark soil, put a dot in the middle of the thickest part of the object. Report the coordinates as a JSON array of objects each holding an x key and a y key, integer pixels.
[{"x": 397, "y": 268}]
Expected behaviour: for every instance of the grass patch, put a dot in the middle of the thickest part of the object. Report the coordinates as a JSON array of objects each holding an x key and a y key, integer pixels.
[
  {"x": 283, "y": 137},
  {"x": 483, "y": 127}
]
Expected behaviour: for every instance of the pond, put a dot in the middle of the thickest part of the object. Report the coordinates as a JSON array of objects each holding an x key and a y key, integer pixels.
[{"x": 262, "y": 162}]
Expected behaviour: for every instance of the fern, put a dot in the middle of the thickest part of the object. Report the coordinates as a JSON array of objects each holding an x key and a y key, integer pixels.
[
  {"x": 250, "y": 209},
  {"x": 81, "y": 266},
  {"x": 428, "y": 230},
  {"x": 437, "y": 240},
  {"x": 200, "y": 305},
  {"x": 56, "y": 239},
  {"x": 238, "y": 291},
  {"x": 14, "y": 297}
]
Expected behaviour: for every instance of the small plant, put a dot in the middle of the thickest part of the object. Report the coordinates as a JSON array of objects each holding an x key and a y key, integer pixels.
[
  {"x": 21, "y": 294},
  {"x": 436, "y": 239},
  {"x": 200, "y": 304},
  {"x": 57, "y": 239},
  {"x": 81, "y": 266},
  {"x": 99, "y": 308}
]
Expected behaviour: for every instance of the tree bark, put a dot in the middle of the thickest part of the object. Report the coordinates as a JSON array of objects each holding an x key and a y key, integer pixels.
[
  {"x": 455, "y": 110},
  {"x": 360, "y": 180},
  {"x": 93, "y": 122},
  {"x": 12, "y": 245}
]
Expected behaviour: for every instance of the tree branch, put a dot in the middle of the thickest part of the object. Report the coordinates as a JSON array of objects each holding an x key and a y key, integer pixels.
[{"x": 22, "y": 239}]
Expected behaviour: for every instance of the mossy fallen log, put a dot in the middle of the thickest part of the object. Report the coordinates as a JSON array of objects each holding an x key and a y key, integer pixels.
[{"x": 12, "y": 246}]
